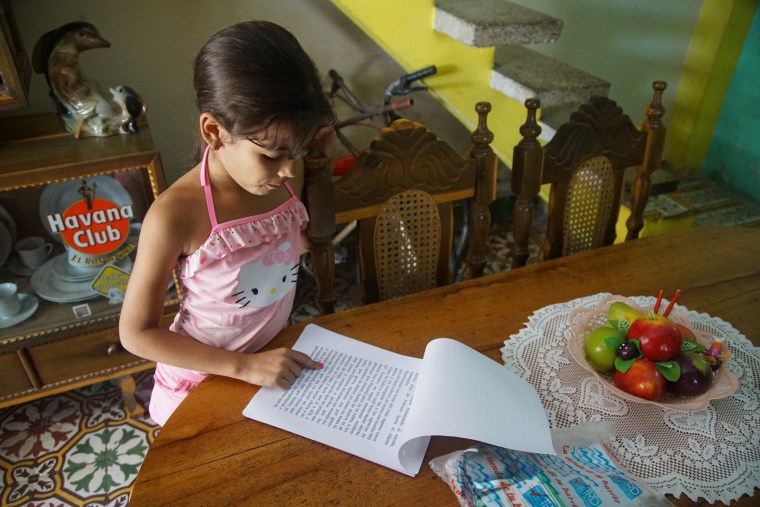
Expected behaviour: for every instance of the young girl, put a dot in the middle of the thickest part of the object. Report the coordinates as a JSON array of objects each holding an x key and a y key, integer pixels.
[{"x": 233, "y": 222}]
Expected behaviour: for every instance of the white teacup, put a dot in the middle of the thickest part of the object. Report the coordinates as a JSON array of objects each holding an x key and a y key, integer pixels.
[
  {"x": 33, "y": 251},
  {"x": 10, "y": 304}
]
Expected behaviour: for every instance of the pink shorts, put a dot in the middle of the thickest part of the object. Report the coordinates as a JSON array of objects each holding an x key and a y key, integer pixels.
[{"x": 171, "y": 387}]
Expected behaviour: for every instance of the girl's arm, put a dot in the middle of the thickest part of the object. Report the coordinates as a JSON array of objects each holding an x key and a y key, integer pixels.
[{"x": 165, "y": 236}]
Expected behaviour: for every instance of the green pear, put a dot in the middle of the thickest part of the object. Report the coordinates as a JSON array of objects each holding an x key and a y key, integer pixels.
[{"x": 621, "y": 316}]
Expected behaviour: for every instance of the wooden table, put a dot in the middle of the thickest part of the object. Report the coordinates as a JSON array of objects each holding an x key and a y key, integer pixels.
[{"x": 209, "y": 454}]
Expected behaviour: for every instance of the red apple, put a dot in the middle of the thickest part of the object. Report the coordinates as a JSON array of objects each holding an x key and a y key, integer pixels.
[
  {"x": 660, "y": 339},
  {"x": 642, "y": 379},
  {"x": 686, "y": 332}
]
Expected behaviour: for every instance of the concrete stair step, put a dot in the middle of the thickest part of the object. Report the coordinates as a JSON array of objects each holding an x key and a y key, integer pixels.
[
  {"x": 518, "y": 72},
  {"x": 485, "y": 23},
  {"x": 553, "y": 117},
  {"x": 522, "y": 73}
]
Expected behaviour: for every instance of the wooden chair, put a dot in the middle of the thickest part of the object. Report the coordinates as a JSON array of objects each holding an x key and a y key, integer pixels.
[
  {"x": 401, "y": 192},
  {"x": 585, "y": 164}
]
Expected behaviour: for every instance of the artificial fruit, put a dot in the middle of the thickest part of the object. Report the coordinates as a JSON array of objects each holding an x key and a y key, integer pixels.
[
  {"x": 659, "y": 338},
  {"x": 621, "y": 315},
  {"x": 696, "y": 375},
  {"x": 601, "y": 347},
  {"x": 642, "y": 379}
]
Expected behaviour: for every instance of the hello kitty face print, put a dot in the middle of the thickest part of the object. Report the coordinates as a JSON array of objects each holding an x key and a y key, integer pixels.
[{"x": 269, "y": 279}]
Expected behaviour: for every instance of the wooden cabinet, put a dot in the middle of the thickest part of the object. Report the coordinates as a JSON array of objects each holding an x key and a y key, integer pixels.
[
  {"x": 71, "y": 338},
  {"x": 15, "y": 68}
]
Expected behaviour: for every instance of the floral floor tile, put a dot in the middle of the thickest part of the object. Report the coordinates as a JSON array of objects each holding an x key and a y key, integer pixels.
[
  {"x": 664, "y": 206},
  {"x": 709, "y": 196},
  {"x": 79, "y": 448}
]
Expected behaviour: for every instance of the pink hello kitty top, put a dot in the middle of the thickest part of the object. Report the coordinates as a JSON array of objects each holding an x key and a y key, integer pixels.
[{"x": 239, "y": 287}]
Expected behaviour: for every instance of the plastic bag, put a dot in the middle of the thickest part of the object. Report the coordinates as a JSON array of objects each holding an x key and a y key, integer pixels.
[{"x": 584, "y": 472}]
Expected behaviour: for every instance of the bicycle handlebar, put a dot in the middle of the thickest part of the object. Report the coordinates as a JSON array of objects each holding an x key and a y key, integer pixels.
[
  {"x": 401, "y": 86},
  {"x": 335, "y": 76},
  {"x": 407, "y": 79}
]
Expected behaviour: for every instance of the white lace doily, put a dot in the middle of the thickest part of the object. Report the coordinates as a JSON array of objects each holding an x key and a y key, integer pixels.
[{"x": 713, "y": 454}]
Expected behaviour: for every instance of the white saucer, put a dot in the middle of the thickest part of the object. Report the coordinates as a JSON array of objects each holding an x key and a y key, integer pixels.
[
  {"x": 51, "y": 287},
  {"x": 10, "y": 224},
  {"x": 29, "y": 305}
]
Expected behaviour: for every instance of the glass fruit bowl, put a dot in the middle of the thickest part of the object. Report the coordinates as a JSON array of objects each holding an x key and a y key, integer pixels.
[{"x": 585, "y": 319}]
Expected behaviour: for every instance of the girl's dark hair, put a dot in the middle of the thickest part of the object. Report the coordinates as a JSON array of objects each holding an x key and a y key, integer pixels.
[{"x": 255, "y": 75}]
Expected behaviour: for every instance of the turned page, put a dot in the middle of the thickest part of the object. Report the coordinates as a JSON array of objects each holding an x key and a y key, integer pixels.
[
  {"x": 462, "y": 393},
  {"x": 384, "y": 406}
]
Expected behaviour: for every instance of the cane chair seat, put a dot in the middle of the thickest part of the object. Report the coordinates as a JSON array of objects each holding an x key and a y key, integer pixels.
[
  {"x": 407, "y": 243},
  {"x": 588, "y": 210}
]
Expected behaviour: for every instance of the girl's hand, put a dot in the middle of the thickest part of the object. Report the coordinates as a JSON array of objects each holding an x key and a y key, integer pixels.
[{"x": 279, "y": 367}]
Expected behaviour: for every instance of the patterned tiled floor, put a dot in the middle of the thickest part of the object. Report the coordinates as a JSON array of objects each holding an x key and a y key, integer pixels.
[
  {"x": 79, "y": 448},
  {"x": 705, "y": 203}
]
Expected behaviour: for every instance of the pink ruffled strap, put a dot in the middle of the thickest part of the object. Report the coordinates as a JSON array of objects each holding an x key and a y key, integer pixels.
[{"x": 261, "y": 229}]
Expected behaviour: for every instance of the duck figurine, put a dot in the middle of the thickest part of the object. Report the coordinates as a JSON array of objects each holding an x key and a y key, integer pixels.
[{"x": 85, "y": 109}]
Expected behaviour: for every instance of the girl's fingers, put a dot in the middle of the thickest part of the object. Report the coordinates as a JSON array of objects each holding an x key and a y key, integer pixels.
[{"x": 304, "y": 360}]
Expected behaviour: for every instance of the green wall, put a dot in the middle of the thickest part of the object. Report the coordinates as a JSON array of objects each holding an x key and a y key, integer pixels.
[{"x": 734, "y": 154}]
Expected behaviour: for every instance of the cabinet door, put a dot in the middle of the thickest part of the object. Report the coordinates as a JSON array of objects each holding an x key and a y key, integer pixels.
[
  {"x": 92, "y": 224},
  {"x": 87, "y": 198},
  {"x": 14, "y": 378}
]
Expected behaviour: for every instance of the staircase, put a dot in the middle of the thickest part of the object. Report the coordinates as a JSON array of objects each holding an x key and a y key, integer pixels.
[{"x": 519, "y": 72}]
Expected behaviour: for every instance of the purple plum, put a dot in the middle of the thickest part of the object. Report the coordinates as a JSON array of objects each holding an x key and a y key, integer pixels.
[{"x": 696, "y": 375}]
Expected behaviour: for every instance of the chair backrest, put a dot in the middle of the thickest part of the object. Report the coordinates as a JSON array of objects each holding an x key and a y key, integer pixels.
[
  {"x": 585, "y": 164},
  {"x": 401, "y": 193}
]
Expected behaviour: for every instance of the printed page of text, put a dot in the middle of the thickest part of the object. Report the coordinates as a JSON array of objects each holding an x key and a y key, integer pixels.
[{"x": 358, "y": 403}]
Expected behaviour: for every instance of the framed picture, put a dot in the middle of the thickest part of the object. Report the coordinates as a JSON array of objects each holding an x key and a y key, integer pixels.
[{"x": 15, "y": 69}]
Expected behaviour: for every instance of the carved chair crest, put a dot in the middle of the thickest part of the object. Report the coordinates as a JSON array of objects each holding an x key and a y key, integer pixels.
[
  {"x": 598, "y": 126},
  {"x": 406, "y": 156}
]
